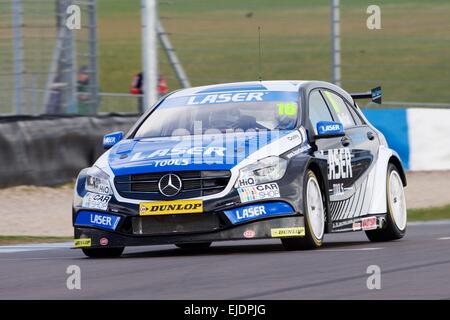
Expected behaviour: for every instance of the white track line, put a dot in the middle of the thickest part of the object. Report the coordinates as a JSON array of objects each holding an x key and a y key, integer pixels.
[
  {"x": 35, "y": 247},
  {"x": 353, "y": 249}
]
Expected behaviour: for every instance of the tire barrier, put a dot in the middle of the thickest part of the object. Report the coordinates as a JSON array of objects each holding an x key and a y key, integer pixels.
[
  {"x": 51, "y": 150},
  {"x": 419, "y": 135}
]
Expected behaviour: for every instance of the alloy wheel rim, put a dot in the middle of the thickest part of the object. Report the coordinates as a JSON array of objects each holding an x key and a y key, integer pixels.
[
  {"x": 397, "y": 200},
  {"x": 315, "y": 212}
]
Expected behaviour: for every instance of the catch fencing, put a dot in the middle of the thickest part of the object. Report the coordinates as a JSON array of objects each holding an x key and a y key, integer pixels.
[
  {"x": 43, "y": 62},
  {"x": 216, "y": 41}
]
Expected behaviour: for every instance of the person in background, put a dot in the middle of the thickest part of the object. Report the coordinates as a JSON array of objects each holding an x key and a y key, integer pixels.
[
  {"x": 163, "y": 88},
  {"x": 136, "y": 88},
  {"x": 84, "y": 105}
]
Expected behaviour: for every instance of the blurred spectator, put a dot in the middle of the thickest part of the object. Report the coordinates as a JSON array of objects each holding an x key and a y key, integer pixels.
[
  {"x": 54, "y": 104},
  {"x": 163, "y": 88},
  {"x": 84, "y": 103},
  {"x": 136, "y": 88}
]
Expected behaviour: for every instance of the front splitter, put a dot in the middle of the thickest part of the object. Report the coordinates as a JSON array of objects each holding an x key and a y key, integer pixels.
[{"x": 263, "y": 229}]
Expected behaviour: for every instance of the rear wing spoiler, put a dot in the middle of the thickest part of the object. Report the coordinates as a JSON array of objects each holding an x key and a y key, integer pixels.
[{"x": 374, "y": 94}]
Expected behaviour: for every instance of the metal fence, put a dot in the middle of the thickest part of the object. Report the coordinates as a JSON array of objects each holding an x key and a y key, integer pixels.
[
  {"x": 43, "y": 63},
  {"x": 215, "y": 41}
]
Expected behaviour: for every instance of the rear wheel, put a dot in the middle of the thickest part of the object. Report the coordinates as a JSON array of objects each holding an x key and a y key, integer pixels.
[
  {"x": 314, "y": 216},
  {"x": 396, "y": 217},
  {"x": 194, "y": 245},
  {"x": 103, "y": 252}
]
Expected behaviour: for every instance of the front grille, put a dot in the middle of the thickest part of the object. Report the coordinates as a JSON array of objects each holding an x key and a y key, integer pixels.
[
  {"x": 194, "y": 184},
  {"x": 175, "y": 224}
]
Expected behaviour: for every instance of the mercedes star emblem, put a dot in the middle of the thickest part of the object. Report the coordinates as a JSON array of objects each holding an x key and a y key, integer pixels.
[{"x": 169, "y": 185}]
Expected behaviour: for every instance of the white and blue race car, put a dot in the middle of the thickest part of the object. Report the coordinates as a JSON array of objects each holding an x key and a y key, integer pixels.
[{"x": 271, "y": 159}]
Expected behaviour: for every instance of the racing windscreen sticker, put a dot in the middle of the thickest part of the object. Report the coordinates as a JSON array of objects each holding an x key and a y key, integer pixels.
[
  {"x": 259, "y": 192},
  {"x": 287, "y": 109},
  {"x": 170, "y": 207},
  {"x": 232, "y": 97}
]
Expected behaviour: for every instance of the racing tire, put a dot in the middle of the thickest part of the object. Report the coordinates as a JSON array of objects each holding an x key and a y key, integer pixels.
[
  {"x": 194, "y": 245},
  {"x": 314, "y": 216},
  {"x": 103, "y": 252},
  {"x": 396, "y": 217}
]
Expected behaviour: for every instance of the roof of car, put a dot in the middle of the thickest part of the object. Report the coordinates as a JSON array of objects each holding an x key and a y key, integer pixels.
[{"x": 276, "y": 85}]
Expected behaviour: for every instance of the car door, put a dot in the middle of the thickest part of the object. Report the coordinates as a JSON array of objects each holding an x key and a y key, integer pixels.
[
  {"x": 328, "y": 149},
  {"x": 351, "y": 193}
]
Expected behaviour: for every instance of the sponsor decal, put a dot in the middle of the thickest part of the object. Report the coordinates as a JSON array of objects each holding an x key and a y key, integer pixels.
[
  {"x": 170, "y": 207},
  {"x": 356, "y": 226},
  {"x": 97, "y": 185},
  {"x": 248, "y": 234},
  {"x": 259, "y": 192},
  {"x": 297, "y": 151},
  {"x": 111, "y": 139},
  {"x": 254, "y": 212},
  {"x": 180, "y": 152},
  {"x": 96, "y": 201},
  {"x": 329, "y": 128},
  {"x": 338, "y": 189},
  {"x": 339, "y": 164},
  {"x": 172, "y": 162},
  {"x": 97, "y": 219},
  {"x": 80, "y": 243},
  {"x": 369, "y": 223},
  {"x": 254, "y": 96},
  {"x": 245, "y": 182},
  {"x": 287, "y": 232},
  {"x": 104, "y": 241},
  {"x": 226, "y": 97}
]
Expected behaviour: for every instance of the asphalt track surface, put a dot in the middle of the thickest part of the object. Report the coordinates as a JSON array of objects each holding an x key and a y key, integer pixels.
[{"x": 416, "y": 267}]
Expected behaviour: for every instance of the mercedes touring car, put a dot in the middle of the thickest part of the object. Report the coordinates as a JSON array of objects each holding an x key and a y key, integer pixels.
[{"x": 291, "y": 160}]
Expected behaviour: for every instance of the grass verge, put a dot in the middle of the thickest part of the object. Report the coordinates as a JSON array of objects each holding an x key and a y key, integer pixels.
[{"x": 426, "y": 214}]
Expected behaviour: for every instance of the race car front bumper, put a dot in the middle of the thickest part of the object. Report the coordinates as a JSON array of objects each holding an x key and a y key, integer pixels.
[{"x": 292, "y": 226}]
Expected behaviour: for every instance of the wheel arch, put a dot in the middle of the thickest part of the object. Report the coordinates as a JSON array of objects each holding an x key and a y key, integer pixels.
[
  {"x": 395, "y": 160},
  {"x": 320, "y": 172},
  {"x": 385, "y": 156}
]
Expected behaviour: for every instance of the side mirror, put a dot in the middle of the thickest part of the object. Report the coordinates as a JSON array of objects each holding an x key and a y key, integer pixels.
[
  {"x": 111, "y": 139},
  {"x": 329, "y": 129}
]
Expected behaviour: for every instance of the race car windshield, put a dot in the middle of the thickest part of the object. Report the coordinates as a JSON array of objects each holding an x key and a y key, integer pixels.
[{"x": 213, "y": 113}]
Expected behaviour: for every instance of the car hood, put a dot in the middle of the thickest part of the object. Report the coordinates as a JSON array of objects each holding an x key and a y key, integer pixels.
[{"x": 201, "y": 152}]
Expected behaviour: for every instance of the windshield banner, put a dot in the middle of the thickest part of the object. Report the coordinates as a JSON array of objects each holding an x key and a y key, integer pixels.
[{"x": 230, "y": 97}]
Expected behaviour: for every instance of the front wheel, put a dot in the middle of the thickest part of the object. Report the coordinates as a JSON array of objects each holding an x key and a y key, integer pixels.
[
  {"x": 103, "y": 252},
  {"x": 314, "y": 217},
  {"x": 396, "y": 217}
]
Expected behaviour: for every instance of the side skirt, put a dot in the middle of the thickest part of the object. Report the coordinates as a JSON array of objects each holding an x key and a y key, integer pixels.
[{"x": 368, "y": 222}]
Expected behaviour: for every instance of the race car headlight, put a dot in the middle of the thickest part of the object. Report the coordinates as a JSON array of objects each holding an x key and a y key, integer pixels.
[
  {"x": 265, "y": 170},
  {"x": 97, "y": 181}
]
